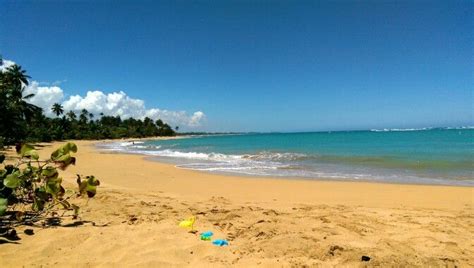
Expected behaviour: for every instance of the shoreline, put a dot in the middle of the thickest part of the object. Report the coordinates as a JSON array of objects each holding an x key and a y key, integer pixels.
[
  {"x": 281, "y": 186},
  {"x": 156, "y": 159},
  {"x": 133, "y": 220}
]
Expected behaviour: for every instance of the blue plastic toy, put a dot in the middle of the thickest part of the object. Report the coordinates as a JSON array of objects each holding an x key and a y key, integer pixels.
[
  {"x": 206, "y": 235},
  {"x": 220, "y": 242}
]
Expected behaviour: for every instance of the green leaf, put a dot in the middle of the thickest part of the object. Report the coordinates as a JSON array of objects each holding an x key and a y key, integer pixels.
[
  {"x": 41, "y": 194},
  {"x": 28, "y": 171},
  {"x": 91, "y": 180},
  {"x": 63, "y": 150},
  {"x": 88, "y": 186},
  {"x": 82, "y": 186},
  {"x": 29, "y": 151},
  {"x": 70, "y": 147},
  {"x": 63, "y": 158},
  {"x": 33, "y": 154},
  {"x": 3, "y": 206},
  {"x": 12, "y": 180},
  {"x": 53, "y": 186},
  {"x": 25, "y": 148},
  {"x": 49, "y": 172}
]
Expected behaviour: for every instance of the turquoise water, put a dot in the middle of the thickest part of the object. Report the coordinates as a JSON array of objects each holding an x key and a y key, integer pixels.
[{"x": 431, "y": 156}]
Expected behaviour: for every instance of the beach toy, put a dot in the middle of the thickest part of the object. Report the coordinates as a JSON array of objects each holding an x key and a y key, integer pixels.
[
  {"x": 189, "y": 223},
  {"x": 220, "y": 242},
  {"x": 206, "y": 236}
]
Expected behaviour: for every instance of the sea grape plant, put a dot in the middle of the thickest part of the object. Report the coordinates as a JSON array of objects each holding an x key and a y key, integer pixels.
[{"x": 32, "y": 187}]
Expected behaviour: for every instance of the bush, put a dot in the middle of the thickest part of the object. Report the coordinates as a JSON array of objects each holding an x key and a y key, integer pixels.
[{"x": 32, "y": 188}]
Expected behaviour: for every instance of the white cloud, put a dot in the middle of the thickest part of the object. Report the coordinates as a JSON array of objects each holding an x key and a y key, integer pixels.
[
  {"x": 196, "y": 118},
  {"x": 115, "y": 103},
  {"x": 5, "y": 64},
  {"x": 119, "y": 103},
  {"x": 44, "y": 97}
]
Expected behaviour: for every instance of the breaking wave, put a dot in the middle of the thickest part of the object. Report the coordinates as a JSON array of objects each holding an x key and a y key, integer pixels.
[{"x": 418, "y": 129}]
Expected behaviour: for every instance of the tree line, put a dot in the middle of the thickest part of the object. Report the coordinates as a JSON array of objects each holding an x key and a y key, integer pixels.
[{"x": 21, "y": 121}]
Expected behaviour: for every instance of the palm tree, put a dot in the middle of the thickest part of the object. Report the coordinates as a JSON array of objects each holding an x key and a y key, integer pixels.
[
  {"x": 16, "y": 76},
  {"x": 159, "y": 123},
  {"x": 19, "y": 101},
  {"x": 15, "y": 110},
  {"x": 83, "y": 116},
  {"x": 57, "y": 109},
  {"x": 71, "y": 115}
]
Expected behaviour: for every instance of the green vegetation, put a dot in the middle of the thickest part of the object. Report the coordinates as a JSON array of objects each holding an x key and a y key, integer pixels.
[
  {"x": 31, "y": 190},
  {"x": 21, "y": 121}
]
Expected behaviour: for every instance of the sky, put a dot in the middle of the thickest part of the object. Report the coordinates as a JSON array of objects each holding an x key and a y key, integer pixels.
[{"x": 250, "y": 65}]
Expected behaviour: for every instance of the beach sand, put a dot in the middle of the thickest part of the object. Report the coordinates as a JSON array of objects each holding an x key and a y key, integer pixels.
[{"x": 133, "y": 221}]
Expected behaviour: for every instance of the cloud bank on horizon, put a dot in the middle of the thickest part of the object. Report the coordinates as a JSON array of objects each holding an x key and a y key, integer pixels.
[{"x": 112, "y": 104}]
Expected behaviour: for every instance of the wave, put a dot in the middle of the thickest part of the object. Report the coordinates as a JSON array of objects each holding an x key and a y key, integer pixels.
[
  {"x": 131, "y": 143},
  {"x": 196, "y": 155},
  {"x": 400, "y": 129},
  {"x": 462, "y": 127},
  {"x": 275, "y": 156},
  {"x": 155, "y": 151},
  {"x": 420, "y": 129}
]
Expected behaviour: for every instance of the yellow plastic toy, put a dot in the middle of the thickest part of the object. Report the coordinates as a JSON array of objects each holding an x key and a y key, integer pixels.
[{"x": 189, "y": 223}]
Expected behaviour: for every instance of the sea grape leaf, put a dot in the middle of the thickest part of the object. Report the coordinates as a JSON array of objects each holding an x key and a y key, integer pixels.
[
  {"x": 88, "y": 186},
  {"x": 28, "y": 150},
  {"x": 53, "y": 186},
  {"x": 92, "y": 184},
  {"x": 63, "y": 157},
  {"x": 28, "y": 171},
  {"x": 82, "y": 186},
  {"x": 25, "y": 148},
  {"x": 65, "y": 161},
  {"x": 12, "y": 180},
  {"x": 91, "y": 180},
  {"x": 3, "y": 206},
  {"x": 49, "y": 172},
  {"x": 64, "y": 150},
  {"x": 41, "y": 194},
  {"x": 70, "y": 147},
  {"x": 33, "y": 154}
]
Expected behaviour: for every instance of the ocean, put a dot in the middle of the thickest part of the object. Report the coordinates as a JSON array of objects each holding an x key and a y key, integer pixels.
[{"x": 418, "y": 156}]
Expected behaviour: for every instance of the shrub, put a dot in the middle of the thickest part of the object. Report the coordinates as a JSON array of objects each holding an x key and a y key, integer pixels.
[{"x": 31, "y": 188}]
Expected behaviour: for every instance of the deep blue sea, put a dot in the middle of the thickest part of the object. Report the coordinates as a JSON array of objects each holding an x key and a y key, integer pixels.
[{"x": 420, "y": 156}]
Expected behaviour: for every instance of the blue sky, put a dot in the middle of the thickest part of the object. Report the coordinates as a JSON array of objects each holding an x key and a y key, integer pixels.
[{"x": 257, "y": 65}]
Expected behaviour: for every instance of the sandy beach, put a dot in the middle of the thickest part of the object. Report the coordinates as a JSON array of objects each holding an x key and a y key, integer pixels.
[{"x": 133, "y": 220}]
